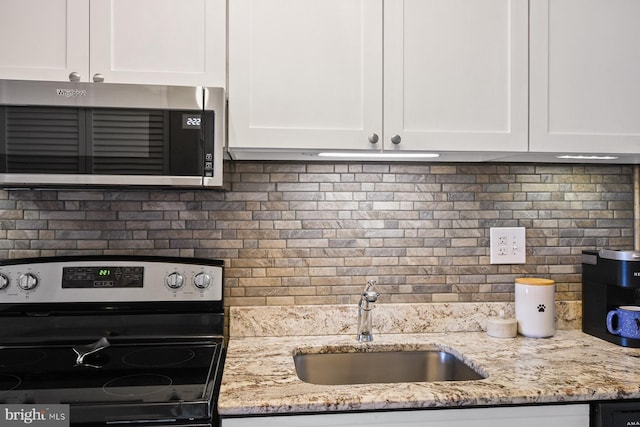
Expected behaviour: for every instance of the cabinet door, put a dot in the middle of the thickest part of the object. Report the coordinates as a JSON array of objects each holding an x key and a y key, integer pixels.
[
  {"x": 179, "y": 42},
  {"x": 304, "y": 74},
  {"x": 585, "y": 68},
  {"x": 455, "y": 75},
  {"x": 44, "y": 39}
]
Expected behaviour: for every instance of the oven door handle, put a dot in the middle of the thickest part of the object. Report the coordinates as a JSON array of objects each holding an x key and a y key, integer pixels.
[{"x": 83, "y": 351}]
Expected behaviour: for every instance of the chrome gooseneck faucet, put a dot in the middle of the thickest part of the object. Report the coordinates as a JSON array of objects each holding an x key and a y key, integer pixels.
[{"x": 368, "y": 297}]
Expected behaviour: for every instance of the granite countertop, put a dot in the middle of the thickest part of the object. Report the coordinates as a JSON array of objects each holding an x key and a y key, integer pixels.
[{"x": 259, "y": 375}]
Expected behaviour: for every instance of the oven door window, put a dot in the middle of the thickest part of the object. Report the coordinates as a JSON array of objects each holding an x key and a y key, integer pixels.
[{"x": 115, "y": 141}]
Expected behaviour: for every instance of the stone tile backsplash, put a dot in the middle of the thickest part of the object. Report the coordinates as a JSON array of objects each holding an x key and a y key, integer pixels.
[{"x": 314, "y": 233}]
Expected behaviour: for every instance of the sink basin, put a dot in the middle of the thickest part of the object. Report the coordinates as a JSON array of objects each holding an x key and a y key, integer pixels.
[{"x": 339, "y": 368}]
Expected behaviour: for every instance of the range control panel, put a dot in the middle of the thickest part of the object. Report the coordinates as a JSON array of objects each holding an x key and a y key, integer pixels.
[
  {"x": 103, "y": 277},
  {"x": 109, "y": 281}
]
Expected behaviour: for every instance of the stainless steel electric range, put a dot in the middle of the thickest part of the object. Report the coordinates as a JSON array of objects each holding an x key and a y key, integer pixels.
[{"x": 130, "y": 340}]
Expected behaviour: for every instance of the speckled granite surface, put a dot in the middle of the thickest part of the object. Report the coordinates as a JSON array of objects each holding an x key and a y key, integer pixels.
[
  {"x": 260, "y": 378},
  {"x": 266, "y": 321}
]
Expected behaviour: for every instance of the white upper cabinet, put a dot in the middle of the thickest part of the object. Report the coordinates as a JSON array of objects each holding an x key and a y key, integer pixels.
[
  {"x": 181, "y": 42},
  {"x": 456, "y": 75},
  {"x": 305, "y": 74},
  {"x": 44, "y": 39},
  {"x": 585, "y": 76},
  {"x": 308, "y": 74}
]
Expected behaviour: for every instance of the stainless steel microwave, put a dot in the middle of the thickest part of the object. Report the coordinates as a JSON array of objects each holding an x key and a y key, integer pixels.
[{"x": 102, "y": 134}]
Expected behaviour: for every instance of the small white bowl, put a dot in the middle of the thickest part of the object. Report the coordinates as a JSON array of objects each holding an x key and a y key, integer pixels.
[{"x": 500, "y": 327}]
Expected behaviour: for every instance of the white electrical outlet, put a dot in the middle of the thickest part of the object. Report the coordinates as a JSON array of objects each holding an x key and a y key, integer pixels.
[{"x": 507, "y": 245}]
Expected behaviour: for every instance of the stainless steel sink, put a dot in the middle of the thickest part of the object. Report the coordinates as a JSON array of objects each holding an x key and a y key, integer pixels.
[{"x": 338, "y": 368}]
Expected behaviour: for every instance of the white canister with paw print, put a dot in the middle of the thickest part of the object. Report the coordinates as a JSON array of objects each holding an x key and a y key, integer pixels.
[{"x": 535, "y": 307}]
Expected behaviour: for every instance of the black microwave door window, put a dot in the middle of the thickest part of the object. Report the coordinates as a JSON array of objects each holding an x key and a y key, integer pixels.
[
  {"x": 128, "y": 142},
  {"x": 41, "y": 139}
]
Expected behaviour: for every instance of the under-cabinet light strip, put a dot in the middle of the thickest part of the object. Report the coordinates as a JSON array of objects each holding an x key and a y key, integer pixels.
[
  {"x": 380, "y": 155},
  {"x": 582, "y": 157}
]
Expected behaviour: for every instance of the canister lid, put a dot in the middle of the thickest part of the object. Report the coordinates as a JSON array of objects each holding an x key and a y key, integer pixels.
[{"x": 534, "y": 281}]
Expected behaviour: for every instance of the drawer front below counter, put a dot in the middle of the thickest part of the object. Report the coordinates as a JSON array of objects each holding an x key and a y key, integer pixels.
[{"x": 570, "y": 415}]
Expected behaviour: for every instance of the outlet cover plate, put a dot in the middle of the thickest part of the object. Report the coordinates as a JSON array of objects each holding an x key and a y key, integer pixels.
[{"x": 507, "y": 245}]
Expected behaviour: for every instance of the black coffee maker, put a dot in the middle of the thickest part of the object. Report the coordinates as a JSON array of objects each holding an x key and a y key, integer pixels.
[{"x": 610, "y": 279}]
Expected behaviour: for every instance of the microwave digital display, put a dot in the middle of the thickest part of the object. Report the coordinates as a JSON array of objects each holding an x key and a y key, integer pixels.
[{"x": 191, "y": 121}]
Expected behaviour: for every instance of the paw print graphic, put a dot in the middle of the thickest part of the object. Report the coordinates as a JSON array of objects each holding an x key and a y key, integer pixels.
[{"x": 541, "y": 308}]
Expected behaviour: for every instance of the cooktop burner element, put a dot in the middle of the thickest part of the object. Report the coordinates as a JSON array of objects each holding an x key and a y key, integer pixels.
[
  {"x": 124, "y": 340},
  {"x": 137, "y": 385}
]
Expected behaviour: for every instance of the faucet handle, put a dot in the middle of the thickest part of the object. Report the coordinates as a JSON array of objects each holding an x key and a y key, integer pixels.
[
  {"x": 370, "y": 285},
  {"x": 369, "y": 294}
]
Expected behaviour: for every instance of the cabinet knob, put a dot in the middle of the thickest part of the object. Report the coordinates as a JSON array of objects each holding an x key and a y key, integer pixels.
[
  {"x": 395, "y": 139},
  {"x": 74, "y": 77},
  {"x": 98, "y": 78},
  {"x": 373, "y": 138}
]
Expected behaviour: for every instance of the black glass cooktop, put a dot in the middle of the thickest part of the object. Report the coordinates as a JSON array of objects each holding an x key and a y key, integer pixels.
[{"x": 113, "y": 378}]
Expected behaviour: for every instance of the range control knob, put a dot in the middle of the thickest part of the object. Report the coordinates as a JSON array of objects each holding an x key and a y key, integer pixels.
[
  {"x": 175, "y": 280},
  {"x": 202, "y": 280},
  {"x": 4, "y": 281},
  {"x": 28, "y": 281}
]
